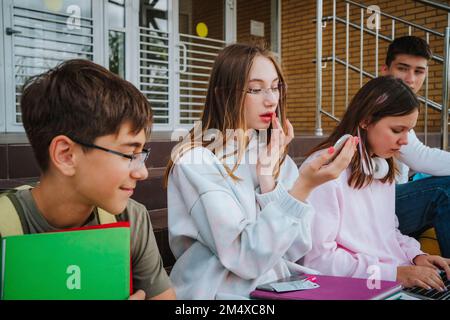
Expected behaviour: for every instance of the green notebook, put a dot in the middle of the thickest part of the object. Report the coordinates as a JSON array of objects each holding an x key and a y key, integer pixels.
[{"x": 84, "y": 264}]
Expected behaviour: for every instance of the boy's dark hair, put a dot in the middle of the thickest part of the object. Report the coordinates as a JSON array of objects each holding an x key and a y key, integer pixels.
[
  {"x": 411, "y": 45},
  {"x": 79, "y": 99}
]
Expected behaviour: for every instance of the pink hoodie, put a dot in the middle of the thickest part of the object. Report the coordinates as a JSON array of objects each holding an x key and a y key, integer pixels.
[{"x": 355, "y": 231}]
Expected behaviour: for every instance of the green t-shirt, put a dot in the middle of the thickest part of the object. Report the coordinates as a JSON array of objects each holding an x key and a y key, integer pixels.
[{"x": 147, "y": 266}]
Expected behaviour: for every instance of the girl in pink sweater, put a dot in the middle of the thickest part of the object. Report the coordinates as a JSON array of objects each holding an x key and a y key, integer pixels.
[{"x": 355, "y": 227}]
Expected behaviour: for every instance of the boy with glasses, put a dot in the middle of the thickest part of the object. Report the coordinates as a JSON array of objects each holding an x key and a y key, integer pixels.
[{"x": 87, "y": 128}]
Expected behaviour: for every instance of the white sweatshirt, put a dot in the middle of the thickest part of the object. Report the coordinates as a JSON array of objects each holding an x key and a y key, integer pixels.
[
  {"x": 421, "y": 158},
  {"x": 226, "y": 236}
]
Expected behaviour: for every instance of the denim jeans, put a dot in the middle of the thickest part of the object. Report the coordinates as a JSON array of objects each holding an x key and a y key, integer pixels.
[{"x": 422, "y": 204}]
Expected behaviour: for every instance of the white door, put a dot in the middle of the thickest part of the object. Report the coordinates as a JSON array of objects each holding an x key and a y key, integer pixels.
[
  {"x": 201, "y": 36},
  {"x": 155, "y": 59},
  {"x": 2, "y": 77},
  {"x": 39, "y": 34},
  {"x": 179, "y": 40},
  {"x": 165, "y": 47}
]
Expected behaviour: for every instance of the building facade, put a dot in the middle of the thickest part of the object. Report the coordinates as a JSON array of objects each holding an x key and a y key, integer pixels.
[
  {"x": 164, "y": 47},
  {"x": 167, "y": 47}
]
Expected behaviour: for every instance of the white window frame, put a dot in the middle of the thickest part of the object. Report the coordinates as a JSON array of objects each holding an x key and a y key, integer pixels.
[
  {"x": 230, "y": 21},
  {"x": 175, "y": 60},
  {"x": 131, "y": 31},
  {"x": 275, "y": 12},
  {"x": 173, "y": 78},
  {"x": 2, "y": 75},
  {"x": 174, "y": 66},
  {"x": 100, "y": 53},
  {"x": 132, "y": 41},
  {"x": 9, "y": 87},
  {"x": 98, "y": 12},
  {"x": 8, "y": 42}
]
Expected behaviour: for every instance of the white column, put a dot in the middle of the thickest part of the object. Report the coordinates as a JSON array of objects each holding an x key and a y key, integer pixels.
[
  {"x": 9, "y": 88},
  {"x": 230, "y": 21},
  {"x": 132, "y": 40},
  {"x": 275, "y": 32},
  {"x": 2, "y": 75},
  {"x": 99, "y": 21},
  {"x": 174, "y": 63}
]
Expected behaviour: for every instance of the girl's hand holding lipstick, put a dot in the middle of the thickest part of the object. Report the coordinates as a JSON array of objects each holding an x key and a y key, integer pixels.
[{"x": 270, "y": 157}]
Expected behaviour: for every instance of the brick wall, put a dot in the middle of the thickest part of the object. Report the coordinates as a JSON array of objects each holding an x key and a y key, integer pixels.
[
  {"x": 212, "y": 14},
  {"x": 299, "y": 47},
  {"x": 252, "y": 10}
]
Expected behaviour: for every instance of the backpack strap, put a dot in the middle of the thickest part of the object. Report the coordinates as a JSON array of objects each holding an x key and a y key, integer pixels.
[
  {"x": 105, "y": 217},
  {"x": 24, "y": 187},
  {"x": 11, "y": 214}
]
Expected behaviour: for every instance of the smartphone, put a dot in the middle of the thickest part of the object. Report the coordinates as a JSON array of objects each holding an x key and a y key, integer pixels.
[
  {"x": 339, "y": 145},
  {"x": 268, "y": 287},
  {"x": 341, "y": 142}
]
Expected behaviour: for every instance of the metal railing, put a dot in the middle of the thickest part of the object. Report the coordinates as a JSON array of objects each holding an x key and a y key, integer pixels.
[
  {"x": 154, "y": 71},
  {"x": 321, "y": 22},
  {"x": 198, "y": 56}
]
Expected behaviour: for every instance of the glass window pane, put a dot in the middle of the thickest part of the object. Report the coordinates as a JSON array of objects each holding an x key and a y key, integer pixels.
[
  {"x": 116, "y": 14},
  {"x": 153, "y": 15},
  {"x": 48, "y": 33},
  {"x": 117, "y": 52},
  {"x": 58, "y": 6}
]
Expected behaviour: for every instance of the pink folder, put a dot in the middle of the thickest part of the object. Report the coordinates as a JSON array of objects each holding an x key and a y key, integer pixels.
[{"x": 335, "y": 288}]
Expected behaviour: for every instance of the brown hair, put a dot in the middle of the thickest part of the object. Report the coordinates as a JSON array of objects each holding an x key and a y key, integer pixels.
[
  {"x": 379, "y": 98},
  {"x": 410, "y": 45},
  {"x": 224, "y": 106},
  {"x": 81, "y": 99}
]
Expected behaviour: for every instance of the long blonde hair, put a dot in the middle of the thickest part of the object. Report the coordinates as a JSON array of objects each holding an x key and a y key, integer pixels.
[{"x": 224, "y": 106}]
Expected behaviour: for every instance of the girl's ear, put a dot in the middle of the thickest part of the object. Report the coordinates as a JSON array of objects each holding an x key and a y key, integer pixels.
[{"x": 364, "y": 124}]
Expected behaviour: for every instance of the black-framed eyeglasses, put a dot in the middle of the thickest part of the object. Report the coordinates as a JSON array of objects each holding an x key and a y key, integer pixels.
[
  {"x": 137, "y": 160},
  {"x": 260, "y": 91}
]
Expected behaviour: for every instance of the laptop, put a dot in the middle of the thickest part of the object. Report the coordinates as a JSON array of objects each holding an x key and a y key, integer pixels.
[
  {"x": 328, "y": 288},
  {"x": 431, "y": 294}
]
